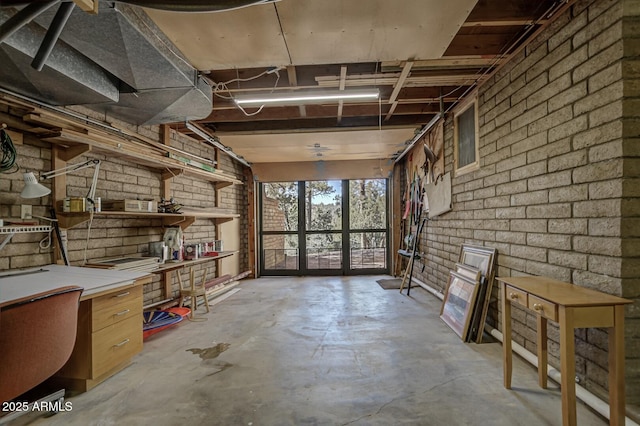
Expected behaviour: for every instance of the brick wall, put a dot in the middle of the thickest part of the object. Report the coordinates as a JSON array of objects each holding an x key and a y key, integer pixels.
[
  {"x": 119, "y": 179},
  {"x": 556, "y": 192}
]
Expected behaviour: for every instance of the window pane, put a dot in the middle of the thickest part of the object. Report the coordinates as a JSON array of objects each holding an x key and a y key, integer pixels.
[
  {"x": 467, "y": 137},
  {"x": 323, "y": 205},
  {"x": 280, "y": 251},
  {"x": 367, "y": 204},
  {"x": 324, "y": 251},
  {"x": 280, "y": 206},
  {"x": 368, "y": 250}
]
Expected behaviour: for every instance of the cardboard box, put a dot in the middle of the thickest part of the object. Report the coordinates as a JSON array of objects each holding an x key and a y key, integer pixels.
[{"x": 145, "y": 206}]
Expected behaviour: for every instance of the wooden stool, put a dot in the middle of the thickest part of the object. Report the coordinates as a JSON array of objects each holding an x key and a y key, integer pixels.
[{"x": 193, "y": 291}]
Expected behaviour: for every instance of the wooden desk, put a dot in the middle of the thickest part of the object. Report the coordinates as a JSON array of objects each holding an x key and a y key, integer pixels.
[
  {"x": 572, "y": 307},
  {"x": 109, "y": 317}
]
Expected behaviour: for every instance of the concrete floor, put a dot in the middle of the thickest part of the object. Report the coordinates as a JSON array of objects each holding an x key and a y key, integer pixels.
[{"x": 318, "y": 351}]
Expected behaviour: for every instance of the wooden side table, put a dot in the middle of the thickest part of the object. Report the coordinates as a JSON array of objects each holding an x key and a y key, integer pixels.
[{"x": 572, "y": 307}]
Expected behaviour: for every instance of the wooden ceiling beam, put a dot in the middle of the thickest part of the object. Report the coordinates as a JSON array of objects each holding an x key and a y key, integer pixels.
[
  {"x": 446, "y": 63},
  {"x": 504, "y": 23},
  {"x": 394, "y": 95},
  {"x": 324, "y": 124},
  {"x": 293, "y": 81},
  {"x": 343, "y": 78}
]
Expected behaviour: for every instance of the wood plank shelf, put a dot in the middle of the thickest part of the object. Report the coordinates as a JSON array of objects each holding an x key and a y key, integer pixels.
[
  {"x": 69, "y": 220},
  {"x": 172, "y": 266},
  {"x": 75, "y": 140}
]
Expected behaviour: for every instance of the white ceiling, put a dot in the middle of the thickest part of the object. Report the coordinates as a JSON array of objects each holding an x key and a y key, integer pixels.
[
  {"x": 315, "y": 32},
  {"x": 311, "y": 32},
  {"x": 333, "y": 146}
]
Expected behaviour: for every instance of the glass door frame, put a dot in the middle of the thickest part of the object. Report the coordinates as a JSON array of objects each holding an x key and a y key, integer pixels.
[{"x": 302, "y": 233}]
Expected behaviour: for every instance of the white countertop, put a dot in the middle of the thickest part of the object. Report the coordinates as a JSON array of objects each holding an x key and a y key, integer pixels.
[{"x": 18, "y": 284}]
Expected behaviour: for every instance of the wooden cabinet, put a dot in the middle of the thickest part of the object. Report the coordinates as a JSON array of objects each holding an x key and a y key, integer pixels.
[{"x": 109, "y": 335}]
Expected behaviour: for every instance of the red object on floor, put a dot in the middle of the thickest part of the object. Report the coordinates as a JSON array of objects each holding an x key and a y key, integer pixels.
[{"x": 181, "y": 312}]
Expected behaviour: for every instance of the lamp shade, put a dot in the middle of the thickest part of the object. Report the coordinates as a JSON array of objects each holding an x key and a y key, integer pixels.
[{"x": 32, "y": 188}]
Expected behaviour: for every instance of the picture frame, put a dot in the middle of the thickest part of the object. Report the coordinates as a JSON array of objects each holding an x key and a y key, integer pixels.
[
  {"x": 469, "y": 271},
  {"x": 483, "y": 258},
  {"x": 458, "y": 304}
]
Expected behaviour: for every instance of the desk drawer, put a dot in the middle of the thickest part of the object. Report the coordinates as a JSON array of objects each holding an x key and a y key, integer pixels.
[
  {"x": 543, "y": 307},
  {"x": 120, "y": 311},
  {"x": 517, "y": 296},
  {"x": 115, "y": 344},
  {"x": 116, "y": 297}
]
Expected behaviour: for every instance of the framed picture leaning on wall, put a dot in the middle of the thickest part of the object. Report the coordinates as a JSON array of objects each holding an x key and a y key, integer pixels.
[
  {"x": 459, "y": 300},
  {"x": 482, "y": 258}
]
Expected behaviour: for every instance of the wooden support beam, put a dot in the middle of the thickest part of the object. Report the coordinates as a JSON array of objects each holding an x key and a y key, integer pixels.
[
  {"x": 401, "y": 80},
  {"x": 343, "y": 79},
  {"x": 293, "y": 82},
  {"x": 165, "y": 138}
]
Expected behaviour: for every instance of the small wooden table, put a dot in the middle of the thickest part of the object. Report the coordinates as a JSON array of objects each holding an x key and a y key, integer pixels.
[{"x": 572, "y": 307}]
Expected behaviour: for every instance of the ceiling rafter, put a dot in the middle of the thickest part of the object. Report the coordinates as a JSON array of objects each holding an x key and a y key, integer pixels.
[
  {"x": 343, "y": 77},
  {"x": 292, "y": 75},
  {"x": 396, "y": 90}
]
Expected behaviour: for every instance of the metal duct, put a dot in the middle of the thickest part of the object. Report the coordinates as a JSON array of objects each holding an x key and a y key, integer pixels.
[
  {"x": 175, "y": 5},
  {"x": 195, "y": 5},
  {"x": 156, "y": 84},
  {"x": 68, "y": 78}
]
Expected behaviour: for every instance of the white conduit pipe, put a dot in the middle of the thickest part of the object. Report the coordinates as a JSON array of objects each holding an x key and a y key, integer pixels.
[{"x": 598, "y": 405}]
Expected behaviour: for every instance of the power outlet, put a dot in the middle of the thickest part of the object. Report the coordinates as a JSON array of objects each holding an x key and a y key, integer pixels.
[{"x": 25, "y": 211}]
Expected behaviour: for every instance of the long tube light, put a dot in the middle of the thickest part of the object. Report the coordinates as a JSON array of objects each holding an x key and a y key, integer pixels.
[
  {"x": 307, "y": 97},
  {"x": 215, "y": 142}
]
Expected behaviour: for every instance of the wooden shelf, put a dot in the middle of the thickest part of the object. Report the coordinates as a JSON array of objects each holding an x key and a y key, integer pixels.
[
  {"x": 171, "y": 266},
  {"x": 74, "y": 143},
  {"x": 69, "y": 220}
]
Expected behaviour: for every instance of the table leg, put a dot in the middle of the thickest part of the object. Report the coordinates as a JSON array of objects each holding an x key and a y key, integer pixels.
[
  {"x": 567, "y": 365},
  {"x": 506, "y": 336},
  {"x": 542, "y": 351},
  {"x": 616, "y": 368}
]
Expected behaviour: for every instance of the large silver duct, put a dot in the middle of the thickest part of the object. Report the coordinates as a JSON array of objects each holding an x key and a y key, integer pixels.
[
  {"x": 171, "y": 5},
  {"x": 115, "y": 62}
]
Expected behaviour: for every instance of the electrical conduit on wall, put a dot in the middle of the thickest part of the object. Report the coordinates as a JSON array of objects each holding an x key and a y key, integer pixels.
[{"x": 597, "y": 404}]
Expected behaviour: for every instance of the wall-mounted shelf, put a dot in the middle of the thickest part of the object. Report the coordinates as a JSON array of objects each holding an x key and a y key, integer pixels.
[
  {"x": 172, "y": 266},
  {"x": 10, "y": 231},
  {"x": 69, "y": 220},
  {"x": 77, "y": 141}
]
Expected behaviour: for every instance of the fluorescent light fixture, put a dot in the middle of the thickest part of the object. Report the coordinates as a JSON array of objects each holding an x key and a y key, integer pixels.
[
  {"x": 33, "y": 188},
  {"x": 306, "y": 97}
]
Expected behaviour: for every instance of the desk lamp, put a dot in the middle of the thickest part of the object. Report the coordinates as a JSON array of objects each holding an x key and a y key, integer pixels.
[
  {"x": 64, "y": 170},
  {"x": 32, "y": 188}
]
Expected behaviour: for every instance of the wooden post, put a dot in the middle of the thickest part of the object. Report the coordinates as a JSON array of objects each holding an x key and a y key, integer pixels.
[{"x": 251, "y": 221}]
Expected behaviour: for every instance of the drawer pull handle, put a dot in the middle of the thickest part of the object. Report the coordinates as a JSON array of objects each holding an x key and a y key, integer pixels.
[
  {"x": 126, "y": 293},
  {"x": 513, "y": 296},
  {"x": 537, "y": 307},
  {"x": 124, "y": 342},
  {"x": 119, "y": 314}
]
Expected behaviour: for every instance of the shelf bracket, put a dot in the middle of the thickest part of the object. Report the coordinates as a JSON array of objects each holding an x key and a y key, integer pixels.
[
  {"x": 6, "y": 240},
  {"x": 183, "y": 223},
  {"x": 73, "y": 151},
  {"x": 170, "y": 173}
]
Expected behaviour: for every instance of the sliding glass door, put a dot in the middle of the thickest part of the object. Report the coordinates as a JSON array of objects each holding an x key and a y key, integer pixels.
[{"x": 333, "y": 227}]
